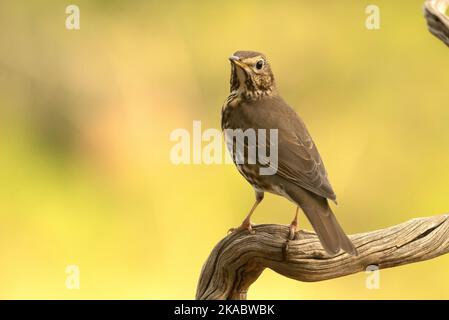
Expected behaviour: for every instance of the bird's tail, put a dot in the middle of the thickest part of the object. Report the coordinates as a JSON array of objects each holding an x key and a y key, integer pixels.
[{"x": 326, "y": 226}]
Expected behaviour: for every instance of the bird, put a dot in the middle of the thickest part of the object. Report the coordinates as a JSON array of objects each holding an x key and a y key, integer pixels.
[{"x": 254, "y": 103}]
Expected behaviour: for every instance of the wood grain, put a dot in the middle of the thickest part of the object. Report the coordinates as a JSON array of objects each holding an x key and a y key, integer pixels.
[
  {"x": 239, "y": 259},
  {"x": 437, "y": 20}
]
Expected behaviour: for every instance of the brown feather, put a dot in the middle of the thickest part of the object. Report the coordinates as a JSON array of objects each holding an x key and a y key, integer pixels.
[
  {"x": 301, "y": 176},
  {"x": 298, "y": 159}
]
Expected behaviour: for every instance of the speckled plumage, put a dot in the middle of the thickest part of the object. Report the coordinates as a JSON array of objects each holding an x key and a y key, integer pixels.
[{"x": 254, "y": 103}]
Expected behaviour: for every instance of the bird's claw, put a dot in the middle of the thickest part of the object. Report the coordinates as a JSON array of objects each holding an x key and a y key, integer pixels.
[
  {"x": 292, "y": 232},
  {"x": 291, "y": 237},
  {"x": 244, "y": 226}
]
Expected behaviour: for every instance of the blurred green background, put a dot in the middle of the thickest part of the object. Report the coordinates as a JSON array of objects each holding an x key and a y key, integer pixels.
[{"x": 85, "y": 118}]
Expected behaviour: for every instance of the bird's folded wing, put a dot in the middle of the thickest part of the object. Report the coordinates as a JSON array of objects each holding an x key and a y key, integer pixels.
[
  {"x": 298, "y": 158},
  {"x": 300, "y": 163}
]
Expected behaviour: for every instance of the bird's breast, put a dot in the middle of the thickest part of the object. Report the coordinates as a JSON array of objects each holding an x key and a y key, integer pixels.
[
  {"x": 228, "y": 110},
  {"x": 259, "y": 182}
]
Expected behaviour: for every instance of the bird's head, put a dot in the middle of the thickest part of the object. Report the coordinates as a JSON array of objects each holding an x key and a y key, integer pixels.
[{"x": 251, "y": 74}]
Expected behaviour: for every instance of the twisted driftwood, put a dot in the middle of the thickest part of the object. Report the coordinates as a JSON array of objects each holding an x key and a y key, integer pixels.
[
  {"x": 239, "y": 259},
  {"x": 437, "y": 20}
]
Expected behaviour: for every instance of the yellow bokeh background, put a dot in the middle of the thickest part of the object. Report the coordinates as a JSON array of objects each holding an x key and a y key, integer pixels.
[{"x": 85, "y": 118}]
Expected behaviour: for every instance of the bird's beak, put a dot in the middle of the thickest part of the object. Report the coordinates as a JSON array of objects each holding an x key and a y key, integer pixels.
[{"x": 236, "y": 60}]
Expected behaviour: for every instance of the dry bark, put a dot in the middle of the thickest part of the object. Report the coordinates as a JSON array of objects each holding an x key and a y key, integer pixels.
[
  {"x": 239, "y": 259},
  {"x": 437, "y": 20}
]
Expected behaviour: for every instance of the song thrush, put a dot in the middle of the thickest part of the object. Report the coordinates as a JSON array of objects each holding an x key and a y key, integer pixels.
[{"x": 254, "y": 103}]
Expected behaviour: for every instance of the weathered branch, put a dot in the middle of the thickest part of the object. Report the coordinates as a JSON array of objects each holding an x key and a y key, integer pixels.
[
  {"x": 239, "y": 259},
  {"x": 437, "y": 20}
]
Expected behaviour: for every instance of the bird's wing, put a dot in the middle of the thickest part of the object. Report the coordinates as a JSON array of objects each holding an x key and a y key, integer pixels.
[{"x": 298, "y": 158}]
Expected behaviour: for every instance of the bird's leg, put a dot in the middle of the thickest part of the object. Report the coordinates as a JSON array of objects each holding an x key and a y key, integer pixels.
[
  {"x": 246, "y": 224},
  {"x": 291, "y": 234},
  {"x": 293, "y": 226}
]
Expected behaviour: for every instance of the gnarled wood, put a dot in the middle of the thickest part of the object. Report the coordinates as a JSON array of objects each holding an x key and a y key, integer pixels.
[
  {"x": 437, "y": 20},
  {"x": 239, "y": 259}
]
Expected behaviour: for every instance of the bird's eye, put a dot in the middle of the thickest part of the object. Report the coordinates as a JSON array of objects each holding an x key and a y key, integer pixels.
[{"x": 259, "y": 64}]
